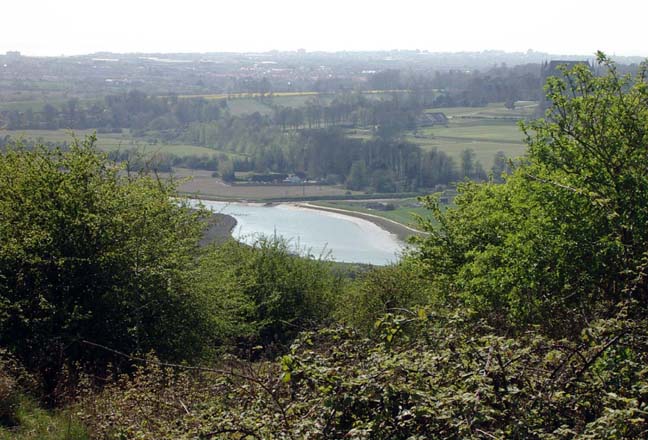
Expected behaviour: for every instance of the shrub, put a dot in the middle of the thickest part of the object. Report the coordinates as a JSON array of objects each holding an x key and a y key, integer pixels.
[
  {"x": 382, "y": 290},
  {"x": 265, "y": 293},
  {"x": 89, "y": 253}
]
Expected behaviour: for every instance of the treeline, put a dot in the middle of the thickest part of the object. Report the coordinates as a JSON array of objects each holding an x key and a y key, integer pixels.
[
  {"x": 466, "y": 88},
  {"x": 394, "y": 113},
  {"x": 330, "y": 155},
  {"x": 136, "y": 159},
  {"x": 434, "y": 88},
  {"x": 308, "y": 140},
  {"x": 138, "y": 111},
  {"x": 134, "y": 110}
]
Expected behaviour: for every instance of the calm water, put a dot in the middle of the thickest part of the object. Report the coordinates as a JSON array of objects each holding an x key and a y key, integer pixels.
[{"x": 341, "y": 237}]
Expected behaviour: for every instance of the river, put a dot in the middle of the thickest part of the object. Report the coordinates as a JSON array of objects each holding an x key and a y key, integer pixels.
[{"x": 312, "y": 232}]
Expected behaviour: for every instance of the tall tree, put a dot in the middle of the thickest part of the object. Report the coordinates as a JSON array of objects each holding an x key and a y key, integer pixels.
[{"x": 566, "y": 234}]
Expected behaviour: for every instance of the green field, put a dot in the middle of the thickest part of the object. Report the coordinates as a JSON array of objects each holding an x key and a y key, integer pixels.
[
  {"x": 522, "y": 109},
  {"x": 243, "y": 106},
  {"x": 483, "y": 130},
  {"x": 486, "y": 130},
  {"x": 36, "y": 105},
  {"x": 406, "y": 211},
  {"x": 109, "y": 141},
  {"x": 485, "y": 137}
]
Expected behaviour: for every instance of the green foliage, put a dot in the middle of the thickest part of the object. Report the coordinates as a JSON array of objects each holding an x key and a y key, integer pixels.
[
  {"x": 436, "y": 377},
  {"x": 34, "y": 423},
  {"x": 500, "y": 167},
  {"x": 265, "y": 293},
  {"x": 89, "y": 253},
  {"x": 357, "y": 176},
  {"x": 11, "y": 376},
  {"x": 564, "y": 237},
  {"x": 593, "y": 143},
  {"x": 226, "y": 171},
  {"x": 502, "y": 253},
  {"x": 20, "y": 416},
  {"x": 521, "y": 315},
  {"x": 380, "y": 291}
]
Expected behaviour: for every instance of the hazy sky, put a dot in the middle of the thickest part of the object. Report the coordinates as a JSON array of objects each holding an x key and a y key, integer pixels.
[{"x": 55, "y": 27}]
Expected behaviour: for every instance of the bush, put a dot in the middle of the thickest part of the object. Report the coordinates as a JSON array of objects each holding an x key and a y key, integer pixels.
[
  {"x": 566, "y": 231},
  {"x": 88, "y": 253},
  {"x": 15, "y": 382},
  {"x": 382, "y": 290},
  {"x": 264, "y": 293},
  {"x": 34, "y": 423},
  {"x": 9, "y": 396},
  {"x": 422, "y": 375}
]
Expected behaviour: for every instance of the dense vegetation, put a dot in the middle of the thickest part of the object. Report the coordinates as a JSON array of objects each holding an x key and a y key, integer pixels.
[
  {"x": 521, "y": 315},
  {"x": 91, "y": 254},
  {"x": 306, "y": 140}
]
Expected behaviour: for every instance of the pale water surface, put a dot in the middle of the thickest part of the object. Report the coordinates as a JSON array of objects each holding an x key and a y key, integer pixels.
[{"x": 312, "y": 232}]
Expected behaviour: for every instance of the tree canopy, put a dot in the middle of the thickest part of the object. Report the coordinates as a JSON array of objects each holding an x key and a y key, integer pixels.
[
  {"x": 90, "y": 253},
  {"x": 565, "y": 235}
]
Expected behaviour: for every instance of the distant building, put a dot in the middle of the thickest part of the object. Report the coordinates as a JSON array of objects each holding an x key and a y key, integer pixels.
[
  {"x": 380, "y": 206},
  {"x": 432, "y": 119},
  {"x": 552, "y": 68},
  {"x": 293, "y": 179},
  {"x": 13, "y": 54}
]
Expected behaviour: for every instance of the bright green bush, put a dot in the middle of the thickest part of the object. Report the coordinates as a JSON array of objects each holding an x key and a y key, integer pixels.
[
  {"x": 382, "y": 290},
  {"x": 88, "y": 252},
  {"x": 565, "y": 236},
  {"x": 264, "y": 293}
]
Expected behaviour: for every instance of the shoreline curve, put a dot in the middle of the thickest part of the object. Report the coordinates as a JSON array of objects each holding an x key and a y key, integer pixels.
[{"x": 401, "y": 231}]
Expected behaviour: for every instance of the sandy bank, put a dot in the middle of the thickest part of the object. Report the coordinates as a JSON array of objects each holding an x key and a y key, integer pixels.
[{"x": 400, "y": 230}]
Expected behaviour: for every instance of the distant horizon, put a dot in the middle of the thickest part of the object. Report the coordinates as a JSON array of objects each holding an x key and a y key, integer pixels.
[{"x": 308, "y": 51}]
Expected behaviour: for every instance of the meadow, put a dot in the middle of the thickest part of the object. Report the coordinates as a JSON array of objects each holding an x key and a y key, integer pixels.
[
  {"x": 486, "y": 130},
  {"x": 110, "y": 141},
  {"x": 246, "y": 103}
]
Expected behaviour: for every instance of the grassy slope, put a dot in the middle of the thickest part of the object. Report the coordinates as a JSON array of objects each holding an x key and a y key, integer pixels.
[
  {"x": 35, "y": 423},
  {"x": 404, "y": 213}
]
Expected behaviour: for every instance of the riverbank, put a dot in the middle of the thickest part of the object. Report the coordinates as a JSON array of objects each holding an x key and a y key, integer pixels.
[
  {"x": 401, "y": 231},
  {"x": 219, "y": 229}
]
